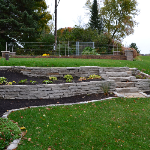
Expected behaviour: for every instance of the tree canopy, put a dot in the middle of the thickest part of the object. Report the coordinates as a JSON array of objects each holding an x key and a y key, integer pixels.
[
  {"x": 118, "y": 17},
  {"x": 133, "y": 45},
  {"x": 22, "y": 20}
]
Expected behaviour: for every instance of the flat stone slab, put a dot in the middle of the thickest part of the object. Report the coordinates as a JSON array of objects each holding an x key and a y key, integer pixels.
[
  {"x": 127, "y": 90},
  {"x": 131, "y": 95},
  {"x": 125, "y": 84}
]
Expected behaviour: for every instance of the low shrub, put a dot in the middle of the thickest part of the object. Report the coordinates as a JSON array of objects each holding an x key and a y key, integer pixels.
[
  {"x": 89, "y": 51},
  {"x": 9, "y": 131},
  {"x": 68, "y": 78}
]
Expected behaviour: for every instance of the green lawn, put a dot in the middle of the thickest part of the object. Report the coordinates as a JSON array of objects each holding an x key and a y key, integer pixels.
[
  {"x": 142, "y": 62},
  {"x": 111, "y": 124}
]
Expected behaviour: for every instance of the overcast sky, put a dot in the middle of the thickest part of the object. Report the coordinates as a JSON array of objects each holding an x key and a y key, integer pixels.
[{"x": 73, "y": 12}]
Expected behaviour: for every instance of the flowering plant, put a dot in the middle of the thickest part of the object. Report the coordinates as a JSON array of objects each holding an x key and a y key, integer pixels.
[
  {"x": 10, "y": 83},
  {"x": 45, "y": 55},
  {"x": 140, "y": 76}
]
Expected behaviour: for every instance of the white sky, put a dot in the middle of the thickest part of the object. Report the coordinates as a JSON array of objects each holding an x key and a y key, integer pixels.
[{"x": 73, "y": 12}]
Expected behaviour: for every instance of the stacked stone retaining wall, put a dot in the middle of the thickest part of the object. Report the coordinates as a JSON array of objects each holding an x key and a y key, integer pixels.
[
  {"x": 84, "y": 71},
  {"x": 47, "y": 91}
]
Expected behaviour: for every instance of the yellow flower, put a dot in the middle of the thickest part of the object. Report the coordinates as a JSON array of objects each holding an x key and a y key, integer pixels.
[
  {"x": 22, "y": 128},
  {"x": 45, "y": 55}
]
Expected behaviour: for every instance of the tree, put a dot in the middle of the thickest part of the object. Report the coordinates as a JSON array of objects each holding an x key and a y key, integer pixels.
[
  {"x": 77, "y": 34},
  {"x": 118, "y": 17},
  {"x": 133, "y": 45},
  {"x": 22, "y": 20},
  {"x": 95, "y": 20}
]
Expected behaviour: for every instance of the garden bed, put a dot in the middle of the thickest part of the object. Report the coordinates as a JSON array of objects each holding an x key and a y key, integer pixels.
[
  {"x": 15, "y": 77},
  {"x": 9, "y": 104},
  {"x": 58, "y": 89}
]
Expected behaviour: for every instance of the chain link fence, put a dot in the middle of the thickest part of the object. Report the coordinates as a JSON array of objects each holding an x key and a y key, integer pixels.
[{"x": 64, "y": 48}]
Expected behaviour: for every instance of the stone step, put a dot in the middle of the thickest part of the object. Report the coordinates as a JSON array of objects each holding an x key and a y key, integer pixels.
[
  {"x": 127, "y": 90},
  {"x": 125, "y": 84},
  {"x": 123, "y": 79},
  {"x": 113, "y": 69},
  {"x": 119, "y": 74},
  {"x": 130, "y": 95}
]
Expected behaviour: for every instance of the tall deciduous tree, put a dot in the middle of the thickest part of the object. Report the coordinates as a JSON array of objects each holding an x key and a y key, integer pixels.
[
  {"x": 118, "y": 17},
  {"x": 95, "y": 20},
  {"x": 22, "y": 20}
]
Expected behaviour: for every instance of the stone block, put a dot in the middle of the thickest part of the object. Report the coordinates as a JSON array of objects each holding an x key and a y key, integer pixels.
[
  {"x": 44, "y": 89},
  {"x": 117, "y": 74},
  {"x": 125, "y": 84}
]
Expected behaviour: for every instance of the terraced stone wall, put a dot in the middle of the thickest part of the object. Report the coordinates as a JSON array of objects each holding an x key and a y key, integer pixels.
[
  {"x": 47, "y": 91},
  {"x": 44, "y": 91},
  {"x": 84, "y": 71}
]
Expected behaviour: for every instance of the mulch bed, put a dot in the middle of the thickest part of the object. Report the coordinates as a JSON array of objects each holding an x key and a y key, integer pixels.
[
  {"x": 8, "y": 104},
  {"x": 12, "y": 75},
  {"x": 147, "y": 92}
]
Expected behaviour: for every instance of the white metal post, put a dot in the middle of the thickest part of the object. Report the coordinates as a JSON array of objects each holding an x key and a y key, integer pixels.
[
  {"x": 68, "y": 48},
  {"x": 65, "y": 49},
  {"x": 59, "y": 49},
  {"x": 6, "y": 46}
]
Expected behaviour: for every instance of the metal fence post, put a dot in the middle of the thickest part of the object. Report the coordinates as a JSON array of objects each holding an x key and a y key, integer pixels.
[
  {"x": 6, "y": 46},
  {"x": 65, "y": 49},
  {"x": 68, "y": 48},
  {"x": 59, "y": 49},
  {"x": 93, "y": 45}
]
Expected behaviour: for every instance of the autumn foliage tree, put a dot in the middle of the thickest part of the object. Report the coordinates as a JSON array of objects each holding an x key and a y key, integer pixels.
[{"x": 118, "y": 17}]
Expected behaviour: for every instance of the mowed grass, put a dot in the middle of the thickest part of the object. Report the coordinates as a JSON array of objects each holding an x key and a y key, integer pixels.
[
  {"x": 110, "y": 124},
  {"x": 142, "y": 62}
]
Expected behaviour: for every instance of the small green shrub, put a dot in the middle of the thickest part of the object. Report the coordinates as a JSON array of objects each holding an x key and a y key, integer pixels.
[
  {"x": 3, "y": 80},
  {"x": 47, "y": 81},
  {"x": 89, "y": 51},
  {"x": 33, "y": 82},
  {"x": 23, "y": 81},
  {"x": 8, "y": 132},
  {"x": 68, "y": 78},
  {"x": 94, "y": 77},
  {"x": 52, "y": 78}
]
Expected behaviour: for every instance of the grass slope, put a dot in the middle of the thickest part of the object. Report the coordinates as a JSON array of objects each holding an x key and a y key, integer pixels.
[{"x": 142, "y": 62}]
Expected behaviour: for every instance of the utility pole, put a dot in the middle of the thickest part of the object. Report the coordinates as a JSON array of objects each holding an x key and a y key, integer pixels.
[{"x": 55, "y": 24}]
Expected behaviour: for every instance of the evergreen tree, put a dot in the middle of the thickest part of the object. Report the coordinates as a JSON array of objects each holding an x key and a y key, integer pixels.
[
  {"x": 22, "y": 20},
  {"x": 133, "y": 45},
  {"x": 95, "y": 20}
]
